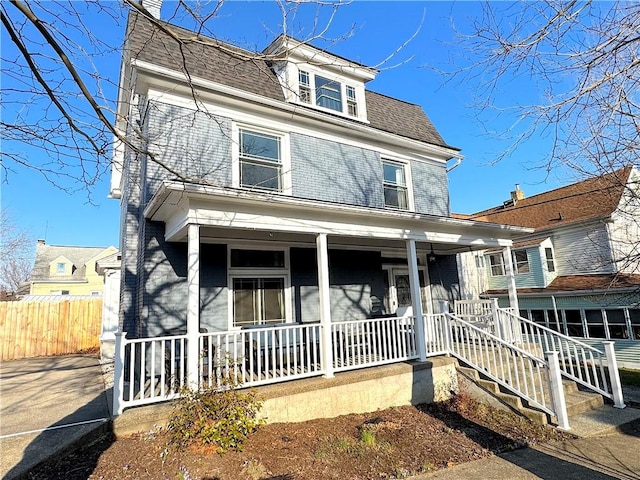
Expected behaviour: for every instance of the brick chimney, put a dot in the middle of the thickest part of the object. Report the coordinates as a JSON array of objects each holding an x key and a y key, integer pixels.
[{"x": 517, "y": 194}]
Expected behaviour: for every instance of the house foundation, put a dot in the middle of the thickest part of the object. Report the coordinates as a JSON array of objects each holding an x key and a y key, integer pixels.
[{"x": 360, "y": 391}]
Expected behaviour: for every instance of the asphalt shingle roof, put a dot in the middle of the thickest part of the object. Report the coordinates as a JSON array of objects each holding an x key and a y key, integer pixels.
[
  {"x": 589, "y": 199},
  {"x": 571, "y": 283},
  {"x": 209, "y": 59},
  {"x": 79, "y": 256}
]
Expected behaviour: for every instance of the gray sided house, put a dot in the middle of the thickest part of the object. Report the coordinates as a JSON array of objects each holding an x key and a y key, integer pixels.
[
  {"x": 578, "y": 272},
  {"x": 275, "y": 188}
]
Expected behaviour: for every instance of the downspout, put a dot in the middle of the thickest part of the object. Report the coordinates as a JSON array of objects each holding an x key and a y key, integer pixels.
[{"x": 455, "y": 165}]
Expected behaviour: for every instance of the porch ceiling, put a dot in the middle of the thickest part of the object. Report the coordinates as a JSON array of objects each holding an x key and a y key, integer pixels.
[{"x": 235, "y": 213}]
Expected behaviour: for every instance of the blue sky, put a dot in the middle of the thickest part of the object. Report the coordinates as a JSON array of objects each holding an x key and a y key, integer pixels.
[{"x": 380, "y": 28}]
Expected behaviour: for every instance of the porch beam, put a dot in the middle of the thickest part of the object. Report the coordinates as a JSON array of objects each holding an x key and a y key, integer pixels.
[
  {"x": 416, "y": 299},
  {"x": 322, "y": 253},
  {"x": 193, "y": 305}
]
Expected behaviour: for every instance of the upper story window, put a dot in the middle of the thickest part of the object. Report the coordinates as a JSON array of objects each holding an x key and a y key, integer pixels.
[
  {"x": 260, "y": 160},
  {"x": 61, "y": 268},
  {"x": 496, "y": 261},
  {"x": 352, "y": 104},
  {"x": 328, "y": 93},
  {"x": 325, "y": 92},
  {"x": 395, "y": 185},
  {"x": 521, "y": 261},
  {"x": 305, "y": 86},
  {"x": 548, "y": 252}
]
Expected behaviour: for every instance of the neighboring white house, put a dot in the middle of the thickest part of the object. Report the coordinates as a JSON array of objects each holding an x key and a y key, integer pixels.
[{"x": 578, "y": 272}]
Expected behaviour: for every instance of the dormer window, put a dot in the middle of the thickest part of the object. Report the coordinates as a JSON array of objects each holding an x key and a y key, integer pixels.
[
  {"x": 328, "y": 94},
  {"x": 352, "y": 104},
  {"x": 304, "y": 86},
  {"x": 61, "y": 268}
]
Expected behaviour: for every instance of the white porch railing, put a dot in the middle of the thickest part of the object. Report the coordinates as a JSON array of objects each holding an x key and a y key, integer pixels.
[
  {"x": 149, "y": 370},
  {"x": 516, "y": 370},
  {"x": 578, "y": 361}
]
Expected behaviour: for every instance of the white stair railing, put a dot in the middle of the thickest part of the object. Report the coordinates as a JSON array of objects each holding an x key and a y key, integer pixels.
[
  {"x": 578, "y": 361},
  {"x": 515, "y": 369}
]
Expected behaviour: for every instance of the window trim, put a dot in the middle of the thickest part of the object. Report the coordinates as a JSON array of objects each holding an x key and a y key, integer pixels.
[
  {"x": 250, "y": 272},
  {"x": 345, "y": 84},
  {"x": 502, "y": 264},
  {"x": 516, "y": 269},
  {"x": 547, "y": 251},
  {"x": 285, "y": 158},
  {"x": 406, "y": 166}
]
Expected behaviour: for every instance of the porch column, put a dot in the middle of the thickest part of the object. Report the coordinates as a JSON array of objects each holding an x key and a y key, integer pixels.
[
  {"x": 193, "y": 305},
  {"x": 511, "y": 280},
  {"x": 416, "y": 299},
  {"x": 322, "y": 253},
  {"x": 513, "y": 295}
]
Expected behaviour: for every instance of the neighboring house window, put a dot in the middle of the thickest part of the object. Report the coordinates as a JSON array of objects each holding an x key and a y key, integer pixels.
[
  {"x": 395, "y": 185},
  {"x": 617, "y": 324},
  {"x": 573, "y": 320},
  {"x": 328, "y": 94},
  {"x": 595, "y": 324},
  {"x": 497, "y": 264},
  {"x": 634, "y": 317},
  {"x": 521, "y": 261},
  {"x": 59, "y": 292},
  {"x": 553, "y": 320},
  {"x": 260, "y": 161},
  {"x": 304, "y": 87},
  {"x": 352, "y": 104},
  {"x": 258, "y": 282},
  {"x": 548, "y": 252},
  {"x": 61, "y": 268}
]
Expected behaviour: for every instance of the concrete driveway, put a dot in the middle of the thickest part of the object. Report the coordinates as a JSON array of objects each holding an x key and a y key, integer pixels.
[{"x": 47, "y": 406}]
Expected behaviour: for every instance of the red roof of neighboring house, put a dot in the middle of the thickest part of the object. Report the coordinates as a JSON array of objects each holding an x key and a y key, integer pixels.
[
  {"x": 573, "y": 283},
  {"x": 589, "y": 199}
]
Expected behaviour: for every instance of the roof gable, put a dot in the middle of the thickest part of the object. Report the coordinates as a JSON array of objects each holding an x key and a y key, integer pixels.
[{"x": 590, "y": 199}]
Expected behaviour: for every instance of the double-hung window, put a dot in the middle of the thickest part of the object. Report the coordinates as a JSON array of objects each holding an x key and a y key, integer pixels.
[
  {"x": 258, "y": 280},
  {"x": 304, "y": 86},
  {"x": 521, "y": 261},
  {"x": 260, "y": 160},
  {"x": 548, "y": 252},
  {"x": 61, "y": 268},
  {"x": 352, "y": 104},
  {"x": 395, "y": 185},
  {"x": 496, "y": 263}
]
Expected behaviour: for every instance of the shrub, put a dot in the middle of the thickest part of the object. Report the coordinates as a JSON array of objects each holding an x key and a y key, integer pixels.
[{"x": 223, "y": 418}]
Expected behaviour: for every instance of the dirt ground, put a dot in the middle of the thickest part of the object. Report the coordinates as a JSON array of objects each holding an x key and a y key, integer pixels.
[{"x": 393, "y": 443}]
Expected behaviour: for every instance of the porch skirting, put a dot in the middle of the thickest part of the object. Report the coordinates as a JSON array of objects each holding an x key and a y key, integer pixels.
[{"x": 359, "y": 391}]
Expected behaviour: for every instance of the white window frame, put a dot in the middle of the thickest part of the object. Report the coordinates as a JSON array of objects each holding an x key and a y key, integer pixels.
[
  {"x": 501, "y": 264},
  {"x": 406, "y": 166},
  {"x": 251, "y": 272},
  {"x": 352, "y": 100},
  {"x": 516, "y": 264},
  {"x": 551, "y": 260},
  {"x": 306, "y": 86},
  {"x": 345, "y": 98},
  {"x": 285, "y": 160},
  {"x": 63, "y": 270}
]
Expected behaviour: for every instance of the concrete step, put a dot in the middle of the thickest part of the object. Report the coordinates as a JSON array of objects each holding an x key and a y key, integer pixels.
[{"x": 577, "y": 401}]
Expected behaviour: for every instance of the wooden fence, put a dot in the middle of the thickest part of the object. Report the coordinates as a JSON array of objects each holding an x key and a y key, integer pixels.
[{"x": 39, "y": 328}]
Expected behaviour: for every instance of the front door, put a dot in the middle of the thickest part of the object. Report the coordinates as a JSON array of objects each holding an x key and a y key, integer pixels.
[{"x": 398, "y": 296}]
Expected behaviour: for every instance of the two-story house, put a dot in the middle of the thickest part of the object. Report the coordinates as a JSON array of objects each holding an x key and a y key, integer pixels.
[
  {"x": 273, "y": 188},
  {"x": 578, "y": 272},
  {"x": 67, "y": 270}
]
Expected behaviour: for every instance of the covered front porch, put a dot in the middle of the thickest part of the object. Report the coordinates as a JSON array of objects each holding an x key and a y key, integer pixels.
[{"x": 277, "y": 289}]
